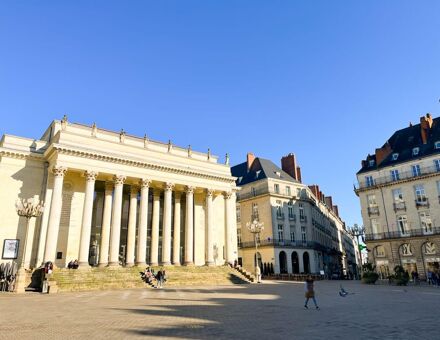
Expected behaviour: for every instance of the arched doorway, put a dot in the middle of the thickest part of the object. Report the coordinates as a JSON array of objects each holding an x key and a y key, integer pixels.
[
  {"x": 283, "y": 262},
  {"x": 295, "y": 263},
  {"x": 306, "y": 261}
]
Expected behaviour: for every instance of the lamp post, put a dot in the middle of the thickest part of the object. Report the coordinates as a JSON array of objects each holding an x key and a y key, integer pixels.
[
  {"x": 27, "y": 208},
  {"x": 256, "y": 228},
  {"x": 357, "y": 231}
]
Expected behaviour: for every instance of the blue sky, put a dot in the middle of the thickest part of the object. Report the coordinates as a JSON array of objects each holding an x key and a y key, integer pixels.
[{"x": 327, "y": 80}]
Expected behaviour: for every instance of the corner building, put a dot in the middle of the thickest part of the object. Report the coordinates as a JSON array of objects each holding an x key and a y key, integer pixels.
[
  {"x": 302, "y": 229},
  {"x": 399, "y": 191},
  {"x": 112, "y": 199}
]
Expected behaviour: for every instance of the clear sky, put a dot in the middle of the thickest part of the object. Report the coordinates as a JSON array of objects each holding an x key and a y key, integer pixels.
[{"x": 327, "y": 80}]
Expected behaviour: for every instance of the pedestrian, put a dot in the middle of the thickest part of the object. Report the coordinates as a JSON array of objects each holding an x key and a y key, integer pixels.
[
  {"x": 258, "y": 274},
  {"x": 310, "y": 292},
  {"x": 429, "y": 277},
  {"x": 159, "y": 279}
]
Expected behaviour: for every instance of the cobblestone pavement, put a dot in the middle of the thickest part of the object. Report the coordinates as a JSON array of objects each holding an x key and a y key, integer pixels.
[{"x": 273, "y": 309}]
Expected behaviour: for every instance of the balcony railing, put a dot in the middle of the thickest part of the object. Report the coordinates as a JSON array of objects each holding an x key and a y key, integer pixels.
[
  {"x": 280, "y": 216},
  {"x": 292, "y": 217},
  {"x": 398, "y": 234},
  {"x": 263, "y": 191},
  {"x": 373, "y": 210},
  {"x": 285, "y": 243},
  {"x": 399, "y": 206},
  {"x": 303, "y": 219},
  {"x": 422, "y": 202},
  {"x": 403, "y": 175}
]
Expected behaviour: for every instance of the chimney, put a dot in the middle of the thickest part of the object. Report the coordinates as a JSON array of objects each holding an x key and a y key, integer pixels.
[
  {"x": 383, "y": 152},
  {"x": 329, "y": 202},
  {"x": 336, "y": 210},
  {"x": 288, "y": 164},
  {"x": 315, "y": 190},
  {"x": 298, "y": 174},
  {"x": 321, "y": 196},
  {"x": 425, "y": 127},
  {"x": 250, "y": 160}
]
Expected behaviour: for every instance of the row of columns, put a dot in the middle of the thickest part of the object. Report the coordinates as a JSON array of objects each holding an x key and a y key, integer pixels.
[{"x": 111, "y": 223}]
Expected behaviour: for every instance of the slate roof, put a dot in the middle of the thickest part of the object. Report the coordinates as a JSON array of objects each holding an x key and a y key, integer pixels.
[
  {"x": 403, "y": 142},
  {"x": 261, "y": 169}
]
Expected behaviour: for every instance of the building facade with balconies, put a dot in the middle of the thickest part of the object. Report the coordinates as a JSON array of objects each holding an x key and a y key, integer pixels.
[
  {"x": 300, "y": 224},
  {"x": 399, "y": 188}
]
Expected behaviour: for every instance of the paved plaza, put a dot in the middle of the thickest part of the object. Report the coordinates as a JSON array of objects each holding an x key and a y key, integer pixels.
[{"x": 272, "y": 310}]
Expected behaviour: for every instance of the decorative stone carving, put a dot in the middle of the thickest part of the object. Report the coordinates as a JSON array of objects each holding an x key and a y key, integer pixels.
[
  {"x": 145, "y": 141},
  {"x": 94, "y": 130},
  {"x": 190, "y": 190},
  {"x": 227, "y": 159},
  {"x": 144, "y": 183},
  {"x": 90, "y": 175},
  {"x": 189, "y": 151},
  {"x": 209, "y": 154},
  {"x": 170, "y": 146},
  {"x": 430, "y": 248},
  {"x": 64, "y": 123},
  {"x": 209, "y": 192},
  {"x": 119, "y": 179},
  {"x": 59, "y": 171},
  {"x": 406, "y": 249},
  {"x": 227, "y": 195},
  {"x": 169, "y": 186},
  {"x": 122, "y": 136}
]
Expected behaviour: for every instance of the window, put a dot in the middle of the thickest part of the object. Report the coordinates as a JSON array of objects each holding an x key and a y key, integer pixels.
[
  {"x": 371, "y": 162},
  {"x": 402, "y": 224},
  {"x": 437, "y": 145},
  {"x": 369, "y": 181},
  {"x": 288, "y": 193},
  {"x": 420, "y": 194},
  {"x": 292, "y": 233},
  {"x": 253, "y": 191},
  {"x": 374, "y": 226},
  {"x": 395, "y": 156},
  {"x": 255, "y": 215},
  {"x": 298, "y": 192},
  {"x": 437, "y": 164},
  {"x": 397, "y": 196},
  {"x": 416, "y": 170},
  {"x": 280, "y": 233},
  {"x": 372, "y": 200},
  {"x": 301, "y": 212},
  {"x": 425, "y": 222},
  {"x": 290, "y": 209},
  {"x": 438, "y": 187},
  {"x": 380, "y": 251},
  {"x": 277, "y": 188},
  {"x": 394, "y": 175},
  {"x": 279, "y": 209},
  {"x": 303, "y": 235},
  {"x": 238, "y": 212},
  {"x": 415, "y": 151},
  {"x": 239, "y": 237}
]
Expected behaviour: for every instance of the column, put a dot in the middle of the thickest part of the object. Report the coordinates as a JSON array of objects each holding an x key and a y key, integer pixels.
[
  {"x": 209, "y": 229},
  {"x": 166, "y": 231},
  {"x": 229, "y": 228},
  {"x": 141, "y": 253},
  {"x": 176, "y": 234},
  {"x": 86, "y": 226},
  {"x": 106, "y": 219},
  {"x": 154, "y": 257},
  {"x": 189, "y": 226},
  {"x": 115, "y": 233},
  {"x": 131, "y": 233},
  {"x": 55, "y": 214}
]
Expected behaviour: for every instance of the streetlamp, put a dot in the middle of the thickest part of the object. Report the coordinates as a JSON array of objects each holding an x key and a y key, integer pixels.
[
  {"x": 256, "y": 228},
  {"x": 357, "y": 231},
  {"x": 27, "y": 208}
]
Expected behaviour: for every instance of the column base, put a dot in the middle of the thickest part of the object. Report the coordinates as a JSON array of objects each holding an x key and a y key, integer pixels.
[
  {"x": 20, "y": 281},
  {"x": 188, "y": 263},
  {"x": 141, "y": 264},
  {"x": 113, "y": 264},
  {"x": 129, "y": 264},
  {"x": 83, "y": 265},
  {"x": 176, "y": 264},
  {"x": 210, "y": 263},
  {"x": 102, "y": 265},
  {"x": 154, "y": 264},
  {"x": 168, "y": 263}
]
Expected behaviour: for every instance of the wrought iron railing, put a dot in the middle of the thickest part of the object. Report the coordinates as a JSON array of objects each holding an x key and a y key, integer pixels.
[
  {"x": 278, "y": 243},
  {"x": 422, "y": 202},
  {"x": 399, "y": 206},
  {"x": 398, "y": 234},
  {"x": 374, "y": 210}
]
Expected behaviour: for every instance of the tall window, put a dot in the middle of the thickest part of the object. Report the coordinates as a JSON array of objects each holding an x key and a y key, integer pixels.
[
  {"x": 255, "y": 215},
  {"x": 426, "y": 222},
  {"x": 303, "y": 235},
  {"x": 437, "y": 164},
  {"x": 279, "y": 209},
  {"x": 276, "y": 188},
  {"x": 397, "y": 195},
  {"x": 298, "y": 192},
  {"x": 416, "y": 170},
  {"x": 372, "y": 200},
  {"x": 292, "y": 233},
  {"x": 288, "y": 192},
  {"x": 239, "y": 237},
  {"x": 290, "y": 209},
  {"x": 280, "y": 233},
  {"x": 369, "y": 181},
  {"x": 374, "y": 226},
  {"x": 394, "y": 175},
  {"x": 253, "y": 191},
  {"x": 402, "y": 224},
  {"x": 238, "y": 213},
  {"x": 301, "y": 212},
  {"x": 420, "y": 193}
]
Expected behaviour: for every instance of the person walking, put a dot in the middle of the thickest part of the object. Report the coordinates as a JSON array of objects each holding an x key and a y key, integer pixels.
[
  {"x": 310, "y": 291},
  {"x": 159, "y": 279}
]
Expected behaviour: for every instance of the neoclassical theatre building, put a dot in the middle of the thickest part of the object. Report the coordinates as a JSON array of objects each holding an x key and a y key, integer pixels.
[{"x": 113, "y": 199}]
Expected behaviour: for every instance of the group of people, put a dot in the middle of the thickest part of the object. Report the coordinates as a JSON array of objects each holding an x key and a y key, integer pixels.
[
  {"x": 433, "y": 278},
  {"x": 150, "y": 275},
  {"x": 73, "y": 264}
]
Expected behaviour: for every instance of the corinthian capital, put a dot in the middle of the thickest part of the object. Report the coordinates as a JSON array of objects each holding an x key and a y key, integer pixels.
[
  {"x": 169, "y": 186},
  {"x": 90, "y": 175},
  {"x": 209, "y": 192},
  {"x": 119, "y": 179},
  {"x": 189, "y": 190},
  {"x": 59, "y": 171},
  {"x": 144, "y": 183},
  {"x": 227, "y": 194}
]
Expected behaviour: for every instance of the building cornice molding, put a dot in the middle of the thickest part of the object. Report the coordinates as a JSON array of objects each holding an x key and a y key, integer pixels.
[{"x": 4, "y": 152}]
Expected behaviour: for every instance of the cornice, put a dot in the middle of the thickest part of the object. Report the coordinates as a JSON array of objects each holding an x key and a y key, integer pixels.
[
  {"x": 136, "y": 163},
  {"x": 4, "y": 152}
]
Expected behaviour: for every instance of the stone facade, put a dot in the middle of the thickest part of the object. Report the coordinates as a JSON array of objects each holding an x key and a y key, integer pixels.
[{"x": 112, "y": 199}]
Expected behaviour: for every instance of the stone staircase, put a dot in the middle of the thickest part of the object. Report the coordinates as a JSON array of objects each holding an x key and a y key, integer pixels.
[
  {"x": 64, "y": 280},
  {"x": 248, "y": 275}
]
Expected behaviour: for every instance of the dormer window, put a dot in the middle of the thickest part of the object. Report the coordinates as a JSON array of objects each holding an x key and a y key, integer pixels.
[
  {"x": 415, "y": 151},
  {"x": 371, "y": 162},
  {"x": 395, "y": 156},
  {"x": 278, "y": 173},
  {"x": 437, "y": 145}
]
